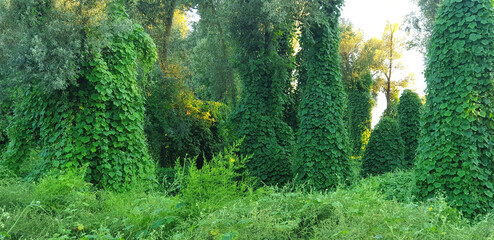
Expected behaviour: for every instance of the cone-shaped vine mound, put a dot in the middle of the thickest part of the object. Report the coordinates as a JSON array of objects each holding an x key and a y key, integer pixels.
[
  {"x": 323, "y": 146},
  {"x": 409, "y": 110},
  {"x": 97, "y": 123},
  {"x": 385, "y": 149},
  {"x": 456, "y": 149}
]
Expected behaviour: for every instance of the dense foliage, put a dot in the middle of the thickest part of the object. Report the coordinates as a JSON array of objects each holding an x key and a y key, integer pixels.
[
  {"x": 385, "y": 149},
  {"x": 409, "y": 110},
  {"x": 456, "y": 146},
  {"x": 98, "y": 140},
  {"x": 360, "y": 104},
  {"x": 66, "y": 207},
  {"x": 97, "y": 121},
  {"x": 178, "y": 125},
  {"x": 323, "y": 147},
  {"x": 259, "y": 115},
  {"x": 5, "y": 114}
]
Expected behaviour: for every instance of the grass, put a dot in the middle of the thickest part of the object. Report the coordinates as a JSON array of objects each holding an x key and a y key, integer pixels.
[{"x": 219, "y": 202}]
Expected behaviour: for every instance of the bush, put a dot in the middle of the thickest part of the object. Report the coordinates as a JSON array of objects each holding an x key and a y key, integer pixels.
[
  {"x": 409, "y": 111},
  {"x": 222, "y": 179},
  {"x": 385, "y": 149},
  {"x": 55, "y": 192},
  {"x": 63, "y": 207},
  {"x": 456, "y": 146},
  {"x": 177, "y": 124}
]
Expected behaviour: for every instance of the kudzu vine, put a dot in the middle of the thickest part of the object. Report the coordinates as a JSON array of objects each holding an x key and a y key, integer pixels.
[
  {"x": 456, "y": 147},
  {"x": 98, "y": 122},
  {"x": 384, "y": 152},
  {"x": 409, "y": 110},
  {"x": 322, "y": 141},
  {"x": 259, "y": 115}
]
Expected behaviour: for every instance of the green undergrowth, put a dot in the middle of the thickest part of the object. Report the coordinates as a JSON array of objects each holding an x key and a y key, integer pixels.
[{"x": 214, "y": 204}]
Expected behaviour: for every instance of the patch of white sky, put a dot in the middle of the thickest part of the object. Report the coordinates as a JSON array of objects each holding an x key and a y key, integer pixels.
[{"x": 371, "y": 17}]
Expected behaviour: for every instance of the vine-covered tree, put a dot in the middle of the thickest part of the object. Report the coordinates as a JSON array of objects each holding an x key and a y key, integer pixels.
[
  {"x": 385, "y": 149},
  {"x": 323, "y": 147},
  {"x": 409, "y": 110},
  {"x": 81, "y": 105},
  {"x": 263, "y": 70},
  {"x": 457, "y": 142},
  {"x": 357, "y": 60}
]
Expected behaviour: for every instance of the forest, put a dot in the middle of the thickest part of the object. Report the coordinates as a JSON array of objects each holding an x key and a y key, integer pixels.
[{"x": 243, "y": 119}]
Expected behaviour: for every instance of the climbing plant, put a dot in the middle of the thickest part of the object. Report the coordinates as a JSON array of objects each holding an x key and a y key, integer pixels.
[
  {"x": 409, "y": 110},
  {"x": 359, "y": 118},
  {"x": 322, "y": 141},
  {"x": 264, "y": 71},
  {"x": 98, "y": 120},
  {"x": 385, "y": 149},
  {"x": 456, "y": 145}
]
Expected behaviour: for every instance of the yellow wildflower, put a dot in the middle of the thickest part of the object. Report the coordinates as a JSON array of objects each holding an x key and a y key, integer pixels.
[
  {"x": 430, "y": 209},
  {"x": 232, "y": 160}
]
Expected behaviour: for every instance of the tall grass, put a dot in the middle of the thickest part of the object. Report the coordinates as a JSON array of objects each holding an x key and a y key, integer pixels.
[{"x": 220, "y": 202}]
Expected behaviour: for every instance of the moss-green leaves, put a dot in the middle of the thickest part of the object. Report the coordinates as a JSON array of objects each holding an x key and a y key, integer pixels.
[{"x": 456, "y": 147}]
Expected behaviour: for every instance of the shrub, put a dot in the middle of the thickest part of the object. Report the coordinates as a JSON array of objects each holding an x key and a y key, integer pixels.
[
  {"x": 385, "y": 149},
  {"x": 409, "y": 110},
  {"x": 456, "y": 146},
  {"x": 177, "y": 124},
  {"x": 220, "y": 180},
  {"x": 55, "y": 192}
]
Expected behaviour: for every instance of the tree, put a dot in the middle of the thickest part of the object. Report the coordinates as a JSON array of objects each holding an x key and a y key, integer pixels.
[
  {"x": 156, "y": 16},
  {"x": 385, "y": 149},
  {"x": 211, "y": 55},
  {"x": 82, "y": 106},
  {"x": 357, "y": 59},
  {"x": 177, "y": 122},
  {"x": 409, "y": 110},
  {"x": 263, "y": 71},
  {"x": 323, "y": 147},
  {"x": 421, "y": 24},
  {"x": 387, "y": 57},
  {"x": 456, "y": 144}
]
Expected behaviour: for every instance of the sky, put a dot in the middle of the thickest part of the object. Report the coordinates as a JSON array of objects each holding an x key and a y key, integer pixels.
[{"x": 371, "y": 18}]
